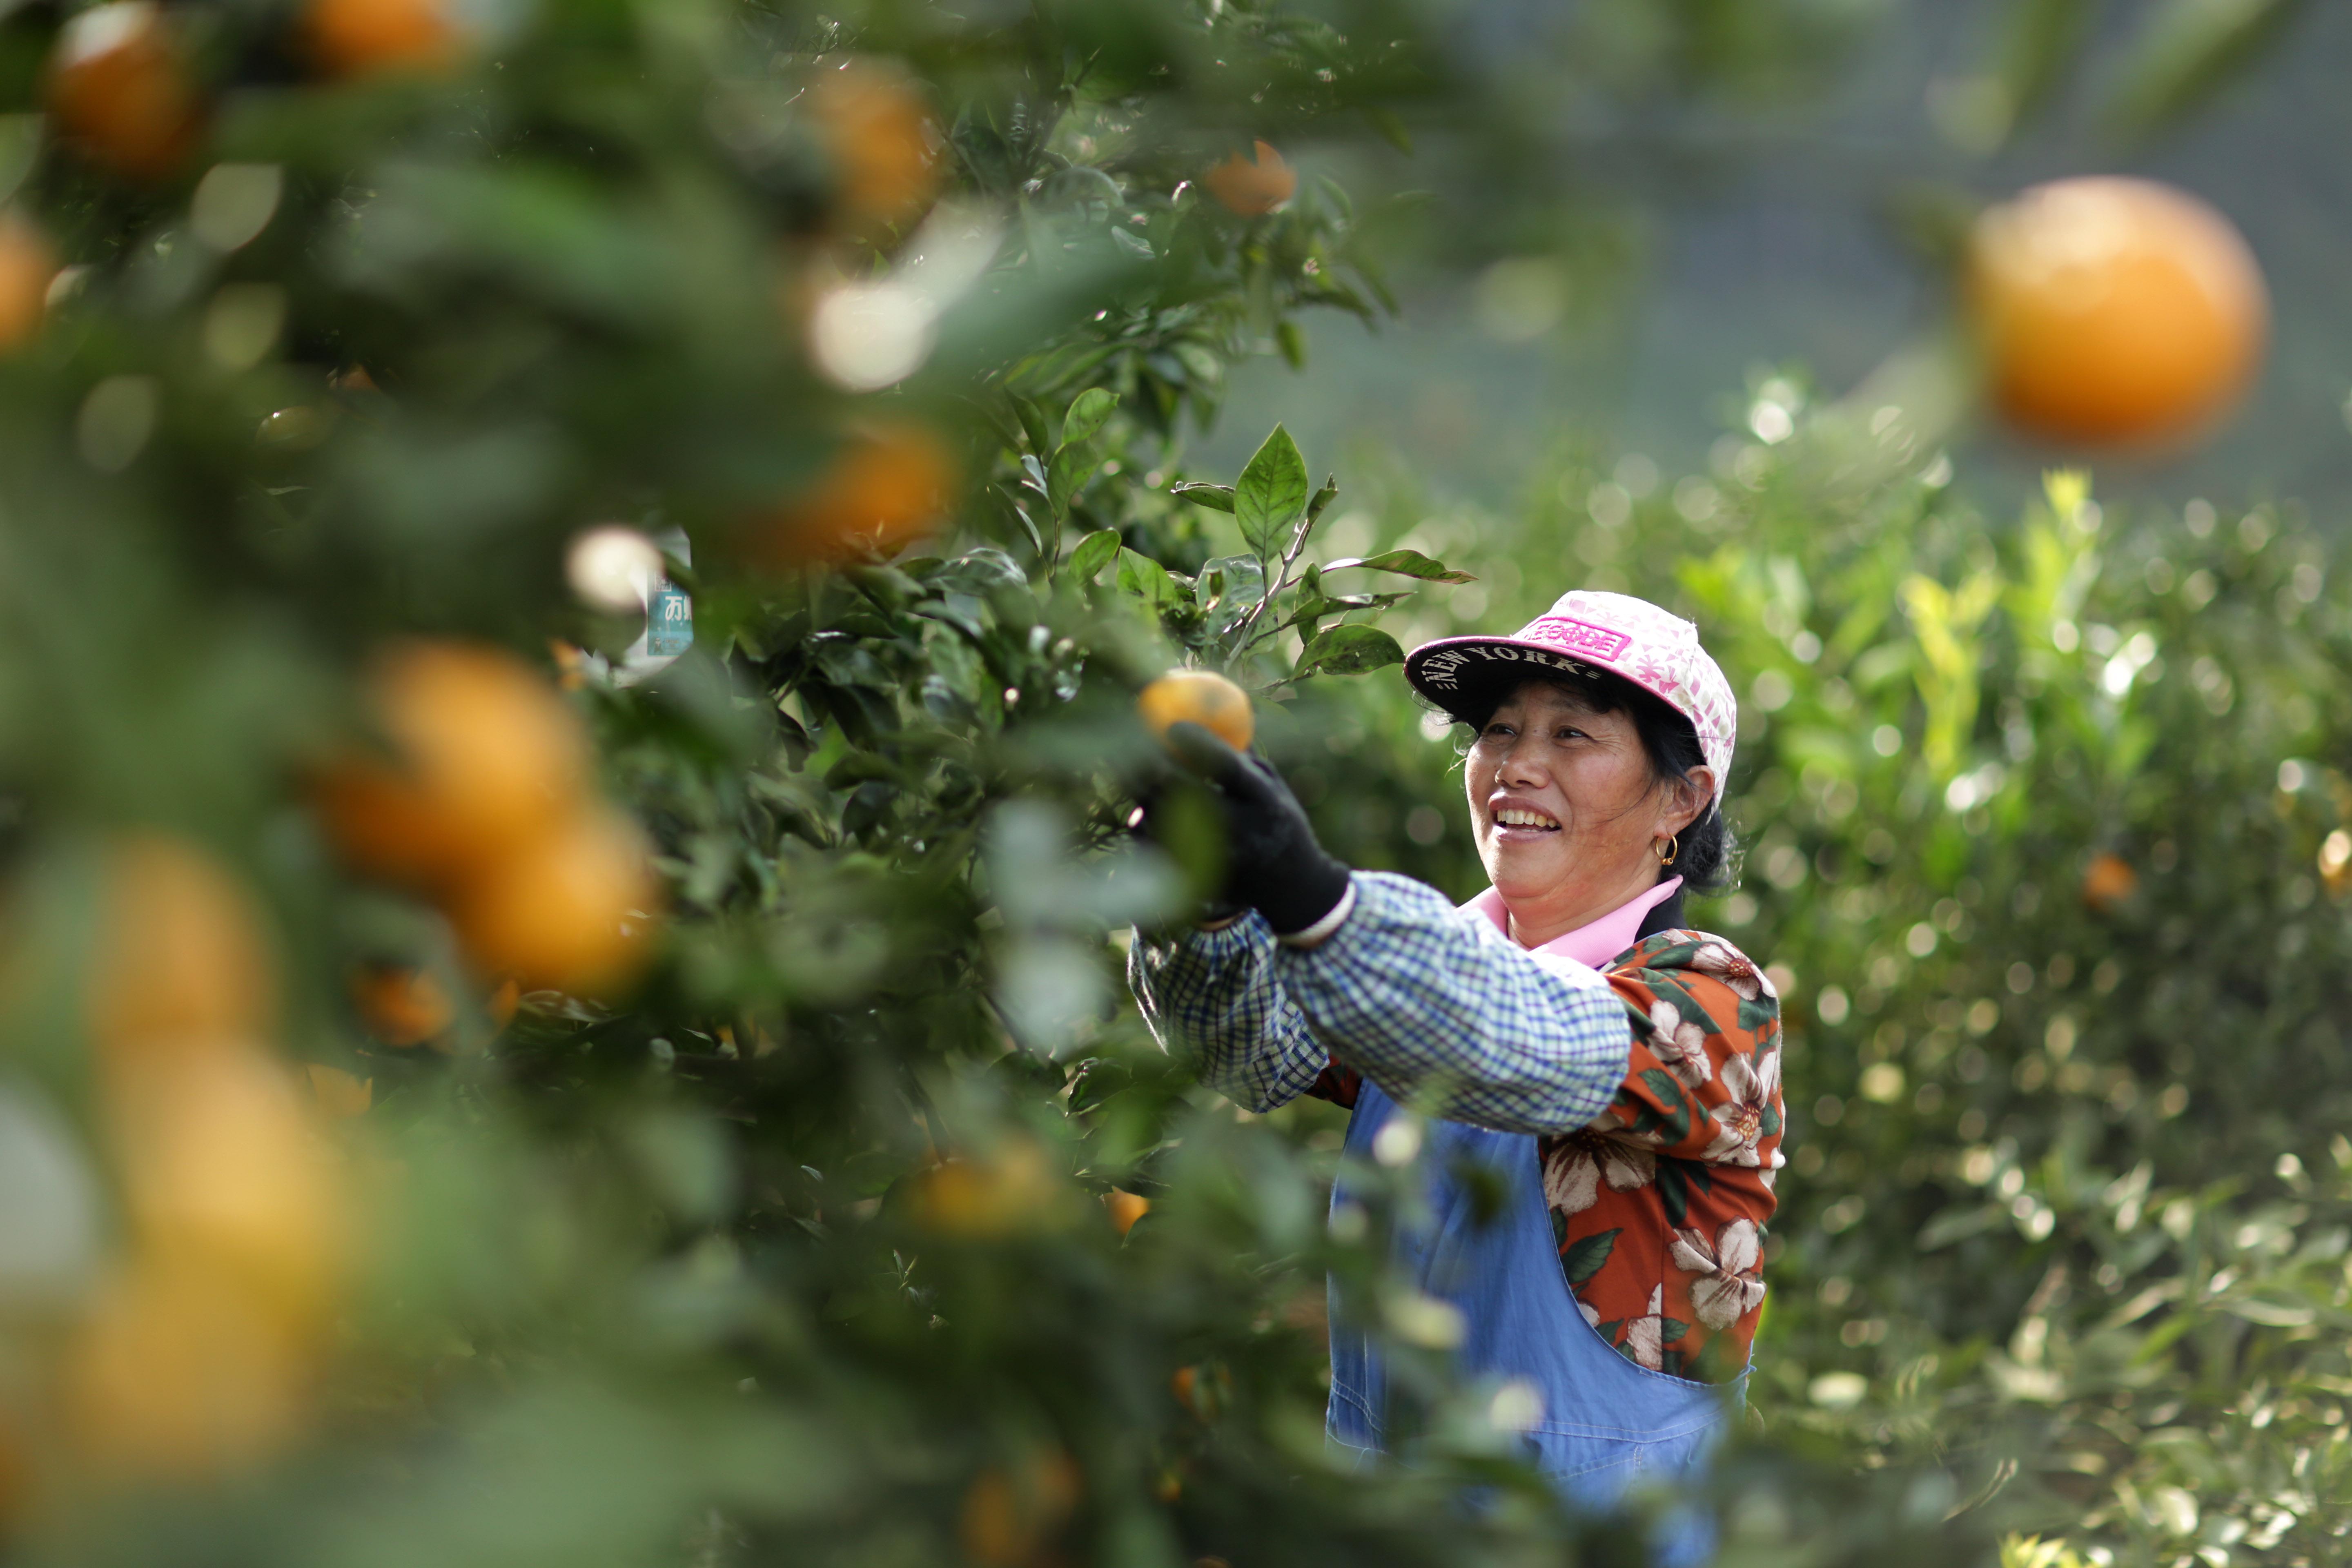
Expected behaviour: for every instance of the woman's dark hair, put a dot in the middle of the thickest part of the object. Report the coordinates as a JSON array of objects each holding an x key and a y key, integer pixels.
[{"x": 1703, "y": 859}]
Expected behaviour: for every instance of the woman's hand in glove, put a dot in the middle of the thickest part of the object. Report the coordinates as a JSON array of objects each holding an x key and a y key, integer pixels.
[{"x": 1272, "y": 863}]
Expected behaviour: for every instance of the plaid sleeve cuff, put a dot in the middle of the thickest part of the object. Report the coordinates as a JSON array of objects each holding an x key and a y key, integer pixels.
[
  {"x": 1444, "y": 1014},
  {"x": 1211, "y": 996}
]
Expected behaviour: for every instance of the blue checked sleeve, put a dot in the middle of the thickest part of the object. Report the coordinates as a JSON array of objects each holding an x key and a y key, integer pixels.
[
  {"x": 1211, "y": 996},
  {"x": 1448, "y": 1015}
]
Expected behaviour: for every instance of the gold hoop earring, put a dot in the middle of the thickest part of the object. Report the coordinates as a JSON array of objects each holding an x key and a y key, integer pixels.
[{"x": 1672, "y": 851}]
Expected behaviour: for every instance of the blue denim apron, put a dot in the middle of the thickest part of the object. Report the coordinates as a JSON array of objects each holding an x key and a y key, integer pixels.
[{"x": 1608, "y": 1425}]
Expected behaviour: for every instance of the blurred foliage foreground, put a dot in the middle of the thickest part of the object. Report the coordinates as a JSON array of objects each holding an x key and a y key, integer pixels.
[{"x": 395, "y": 1174}]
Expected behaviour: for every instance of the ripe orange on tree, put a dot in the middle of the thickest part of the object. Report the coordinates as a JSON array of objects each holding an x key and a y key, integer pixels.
[
  {"x": 485, "y": 754},
  {"x": 1256, "y": 185},
  {"x": 1126, "y": 1208},
  {"x": 180, "y": 963},
  {"x": 1199, "y": 696},
  {"x": 119, "y": 87},
  {"x": 28, "y": 264},
  {"x": 400, "y": 1005},
  {"x": 882, "y": 138},
  {"x": 887, "y": 485},
  {"x": 2115, "y": 310},
  {"x": 2107, "y": 881},
  {"x": 569, "y": 908},
  {"x": 359, "y": 37}
]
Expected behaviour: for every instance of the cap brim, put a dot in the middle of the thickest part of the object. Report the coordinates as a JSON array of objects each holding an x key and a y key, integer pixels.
[{"x": 1451, "y": 669}]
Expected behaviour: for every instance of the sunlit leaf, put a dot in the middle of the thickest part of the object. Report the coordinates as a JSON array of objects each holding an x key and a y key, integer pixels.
[
  {"x": 1405, "y": 564},
  {"x": 1349, "y": 651},
  {"x": 1271, "y": 496}
]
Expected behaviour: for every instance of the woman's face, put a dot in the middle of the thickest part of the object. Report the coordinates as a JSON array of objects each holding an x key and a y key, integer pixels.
[{"x": 1564, "y": 805}]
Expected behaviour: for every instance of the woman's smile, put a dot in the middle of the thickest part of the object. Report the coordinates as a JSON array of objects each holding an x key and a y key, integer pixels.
[{"x": 1518, "y": 818}]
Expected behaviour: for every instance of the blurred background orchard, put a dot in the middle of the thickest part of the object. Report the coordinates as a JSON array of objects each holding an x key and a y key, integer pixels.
[{"x": 575, "y": 578}]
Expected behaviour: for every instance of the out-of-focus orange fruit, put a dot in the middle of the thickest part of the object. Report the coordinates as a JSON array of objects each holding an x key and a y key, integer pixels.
[
  {"x": 1126, "y": 1208},
  {"x": 28, "y": 264},
  {"x": 504, "y": 1001},
  {"x": 1256, "y": 185},
  {"x": 1199, "y": 696},
  {"x": 340, "y": 1095},
  {"x": 1009, "y": 1190},
  {"x": 486, "y": 754},
  {"x": 881, "y": 136},
  {"x": 2107, "y": 881},
  {"x": 176, "y": 1374},
  {"x": 224, "y": 1172},
  {"x": 885, "y": 486},
  {"x": 362, "y": 37},
  {"x": 180, "y": 963},
  {"x": 400, "y": 1003},
  {"x": 2115, "y": 310},
  {"x": 1007, "y": 1517},
  {"x": 570, "y": 909},
  {"x": 119, "y": 88}
]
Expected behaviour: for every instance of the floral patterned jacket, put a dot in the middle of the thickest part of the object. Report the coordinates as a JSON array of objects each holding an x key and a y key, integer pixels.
[{"x": 1660, "y": 1206}]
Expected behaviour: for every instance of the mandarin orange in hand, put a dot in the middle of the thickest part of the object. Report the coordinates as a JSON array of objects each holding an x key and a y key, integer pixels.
[
  {"x": 360, "y": 37},
  {"x": 119, "y": 88},
  {"x": 1199, "y": 696},
  {"x": 486, "y": 754},
  {"x": 1253, "y": 186},
  {"x": 2115, "y": 310},
  {"x": 568, "y": 910}
]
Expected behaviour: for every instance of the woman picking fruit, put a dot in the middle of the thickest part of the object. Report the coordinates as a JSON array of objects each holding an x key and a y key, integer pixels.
[{"x": 1616, "y": 1074}]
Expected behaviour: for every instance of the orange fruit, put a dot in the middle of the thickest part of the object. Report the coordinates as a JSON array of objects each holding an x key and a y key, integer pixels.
[
  {"x": 119, "y": 88},
  {"x": 2107, "y": 881},
  {"x": 1008, "y": 1191},
  {"x": 1006, "y": 1517},
  {"x": 340, "y": 1095},
  {"x": 1199, "y": 696},
  {"x": 180, "y": 962},
  {"x": 570, "y": 910},
  {"x": 504, "y": 1002},
  {"x": 400, "y": 1005},
  {"x": 887, "y": 486},
  {"x": 2115, "y": 310},
  {"x": 358, "y": 37},
  {"x": 175, "y": 1373},
  {"x": 486, "y": 754},
  {"x": 882, "y": 138},
  {"x": 1253, "y": 186},
  {"x": 28, "y": 264},
  {"x": 1126, "y": 1208},
  {"x": 224, "y": 1174}
]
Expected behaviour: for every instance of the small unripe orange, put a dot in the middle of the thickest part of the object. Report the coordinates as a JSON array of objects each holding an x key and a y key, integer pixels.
[
  {"x": 880, "y": 134},
  {"x": 28, "y": 264},
  {"x": 572, "y": 909},
  {"x": 119, "y": 87},
  {"x": 885, "y": 486},
  {"x": 1199, "y": 696},
  {"x": 486, "y": 754},
  {"x": 359, "y": 37},
  {"x": 2115, "y": 310},
  {"x": 1253, "y": 186}
]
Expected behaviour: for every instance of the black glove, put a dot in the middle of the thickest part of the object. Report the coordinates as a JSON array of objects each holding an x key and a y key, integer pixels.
[{"x": 1272, "y": 863}]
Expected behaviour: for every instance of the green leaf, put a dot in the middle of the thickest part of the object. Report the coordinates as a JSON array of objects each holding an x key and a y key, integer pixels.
[
  {"x": 2189, "y": 52},
  {"x": 1272, "y": 495},
  {"x": 1216, "y": 498},
  {"x": 2045, "y": 38},
  {"x": 1087, "y": 415},
  {"x": 1323, "y": 498},
  {"x": 1073, "y": 467},
  {"x": 1095, "y": 552},
  {"x": 1405, "y": 564},
  {"x": 1391, "y": 129},
  {"x": 1142, "y": 575},
  {"x": 1586, "y": 1255},
  {"x": 1293, "y": 343},
  {"x": 1349, "y": 651}
]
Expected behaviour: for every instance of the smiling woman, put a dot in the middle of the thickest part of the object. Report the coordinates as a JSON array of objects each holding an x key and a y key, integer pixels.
[{"x": 1619, "y": 1076}]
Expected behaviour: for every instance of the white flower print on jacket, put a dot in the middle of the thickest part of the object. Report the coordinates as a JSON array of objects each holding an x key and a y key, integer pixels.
[
  {"x": 1679, "y": 1045},
  {"x": 1753, "y": 1082},
  {"x": 1727, "y": 1287},
  {"x": 1575, "y": 1167}
]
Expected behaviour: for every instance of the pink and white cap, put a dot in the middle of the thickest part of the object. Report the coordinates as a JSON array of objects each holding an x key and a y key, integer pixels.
[{"x": 1592, "y": 632}]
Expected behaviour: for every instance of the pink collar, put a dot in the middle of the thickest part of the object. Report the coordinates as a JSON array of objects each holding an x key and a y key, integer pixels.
[{"x": 1594, "y": 943}]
